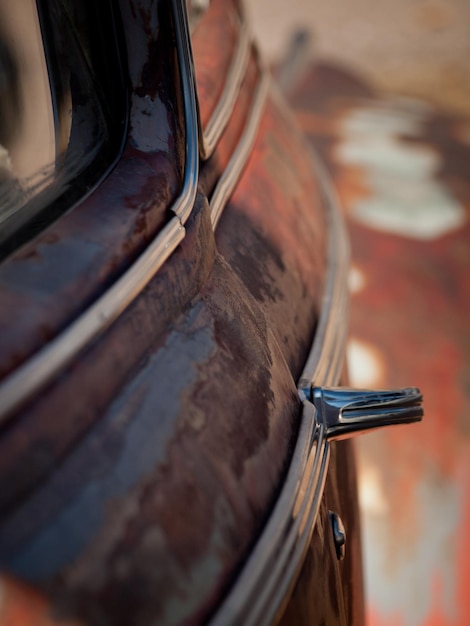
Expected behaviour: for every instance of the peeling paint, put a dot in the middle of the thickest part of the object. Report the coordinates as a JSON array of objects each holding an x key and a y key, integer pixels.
[{"x": 404, "y": 196}]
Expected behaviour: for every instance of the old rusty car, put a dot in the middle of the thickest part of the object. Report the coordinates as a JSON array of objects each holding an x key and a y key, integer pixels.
[{"x": 173, "y": 316}]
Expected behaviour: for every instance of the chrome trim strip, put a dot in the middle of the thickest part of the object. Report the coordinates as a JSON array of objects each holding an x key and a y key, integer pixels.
[
  {"x": 17, "y": 388},
  {"x": 239, "y": 158},
  {"x": 183, "y": 206},
  {"x": 264, "y": 585},
  {"x": 224, "y": 107}
]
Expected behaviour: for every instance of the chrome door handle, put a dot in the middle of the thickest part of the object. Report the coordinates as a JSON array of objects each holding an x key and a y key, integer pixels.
[{"x": 348, "y": 412}]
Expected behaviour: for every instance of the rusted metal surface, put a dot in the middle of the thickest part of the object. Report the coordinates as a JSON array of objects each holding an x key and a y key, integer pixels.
[
  {"x": 206, "y": 422},
  {"x": 53, "y": 278},
  {"x": 170, "y": 409},
  {"x": 133, "y": 486},
  {"x": 271, "y": 233},
  {"x": 402, "y": 171}
]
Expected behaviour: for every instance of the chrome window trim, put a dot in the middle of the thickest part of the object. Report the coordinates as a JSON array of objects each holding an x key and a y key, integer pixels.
[
  {"x": 226, "y": 103},
  {"x": 17, "y": 388},
  {"x": 263, "y": 587},
  {"x": 184, "y": 204},
  {"x": 39, "y": 369},
  {"x": 240, "y": 155}
]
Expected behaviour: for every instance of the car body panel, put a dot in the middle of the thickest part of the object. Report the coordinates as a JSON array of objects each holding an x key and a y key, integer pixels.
[
  {"x": 49, "y": 281},
  {"x": 159, "y": 450},
  {"x": 141, "y": 436}
]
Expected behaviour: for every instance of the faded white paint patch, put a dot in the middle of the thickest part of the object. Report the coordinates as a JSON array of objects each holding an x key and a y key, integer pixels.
[
  {"x": 372, "y": 497},
  {"x": 401, "y": 570},
  {"x": 365, "y": 365},
  {"x": 405, "y": 196},
  {"x": 356, "y": 279}
]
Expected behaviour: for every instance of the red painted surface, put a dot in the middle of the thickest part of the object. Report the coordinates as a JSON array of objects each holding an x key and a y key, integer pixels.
[{"x": 211, "y": 68}]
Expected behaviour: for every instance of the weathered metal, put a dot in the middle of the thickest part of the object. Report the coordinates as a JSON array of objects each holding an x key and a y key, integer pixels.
[
  {"x": 185, "y": 399},
  {"x": 329, "y": 591},
  {"x": 219, "y": 74},
  {"x": 162, "y": 443}
]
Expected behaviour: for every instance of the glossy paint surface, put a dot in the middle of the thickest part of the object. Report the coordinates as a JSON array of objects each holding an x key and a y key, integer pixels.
[{"x": 401, "y": 169}]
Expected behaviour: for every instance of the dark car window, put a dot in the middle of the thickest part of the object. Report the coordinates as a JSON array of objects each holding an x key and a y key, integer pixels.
[{"x": 62, "y": 109}]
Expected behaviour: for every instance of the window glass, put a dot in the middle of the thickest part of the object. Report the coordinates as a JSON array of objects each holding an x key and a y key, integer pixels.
[{"x": 62, "y": 109}]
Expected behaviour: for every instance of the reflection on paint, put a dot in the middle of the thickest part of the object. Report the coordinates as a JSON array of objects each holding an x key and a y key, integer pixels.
[{"x": 404, "y": 196}]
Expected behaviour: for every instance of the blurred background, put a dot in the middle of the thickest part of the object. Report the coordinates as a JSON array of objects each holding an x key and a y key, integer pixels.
[
  {"x": 414, "y": 47},
  {"x": 382, "y": 90}
]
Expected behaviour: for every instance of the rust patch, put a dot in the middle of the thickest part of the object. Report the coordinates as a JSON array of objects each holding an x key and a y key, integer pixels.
[{"x": 217, "y": 30}]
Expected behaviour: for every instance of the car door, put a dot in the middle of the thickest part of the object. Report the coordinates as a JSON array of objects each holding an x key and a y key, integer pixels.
[{"x": 163, "y": 453}]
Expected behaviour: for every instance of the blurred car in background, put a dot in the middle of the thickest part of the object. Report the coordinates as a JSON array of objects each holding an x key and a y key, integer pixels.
[{"x": 174, "y": 440}]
